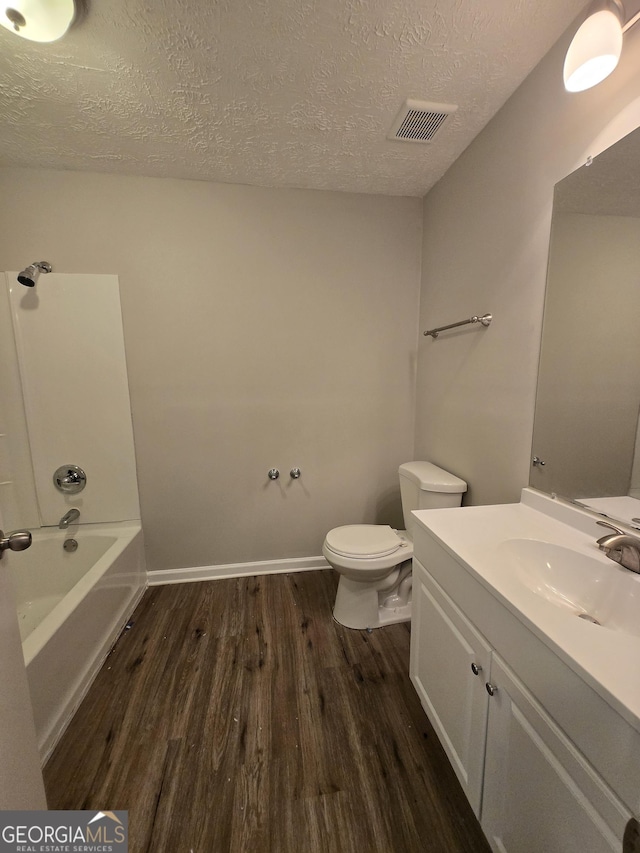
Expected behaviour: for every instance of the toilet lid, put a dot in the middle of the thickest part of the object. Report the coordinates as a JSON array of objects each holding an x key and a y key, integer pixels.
[{"x": 363, "y": 540}]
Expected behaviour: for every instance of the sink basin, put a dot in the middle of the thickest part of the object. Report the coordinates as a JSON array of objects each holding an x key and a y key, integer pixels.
[{"x": 594, "y": 589}]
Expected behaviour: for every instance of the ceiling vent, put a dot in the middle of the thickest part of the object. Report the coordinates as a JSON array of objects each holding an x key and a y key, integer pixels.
[{"x": 419, "y": 121}]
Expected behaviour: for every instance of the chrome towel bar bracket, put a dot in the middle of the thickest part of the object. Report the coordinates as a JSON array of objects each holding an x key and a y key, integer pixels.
[{"x": 485, "y": 320}]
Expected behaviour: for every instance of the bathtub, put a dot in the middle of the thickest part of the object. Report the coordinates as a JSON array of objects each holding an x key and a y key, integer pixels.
[{"x": 71, "y": 607}]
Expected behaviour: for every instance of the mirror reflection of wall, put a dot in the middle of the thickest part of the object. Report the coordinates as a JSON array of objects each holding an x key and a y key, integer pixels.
[
  {"x": 634, "y": 489},
  {"x": 588, "y": 399}
]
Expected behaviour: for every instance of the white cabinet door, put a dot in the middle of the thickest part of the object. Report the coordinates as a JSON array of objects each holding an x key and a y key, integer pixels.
[
  {"x": 540, "y": 795},
  {"x": 444, "y": 648}
]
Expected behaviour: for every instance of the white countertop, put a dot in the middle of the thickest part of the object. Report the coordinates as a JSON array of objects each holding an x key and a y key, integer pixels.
[
  {"x": 624, "y": 507},
  {"x": 607, "y": 659}
]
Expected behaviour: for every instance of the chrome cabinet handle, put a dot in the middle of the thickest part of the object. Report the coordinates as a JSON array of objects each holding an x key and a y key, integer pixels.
[
  {"x": 273, "y": 474},
  {"x": 491, "y": 689},
  {"x": 19, "y": 540},
  {"x": 294, "y": 473},
  {"x": 537, "y": 461},
  {"x": 475, "y": 669}
]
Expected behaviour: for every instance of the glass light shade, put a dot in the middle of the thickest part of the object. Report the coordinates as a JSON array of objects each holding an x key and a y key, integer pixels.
[
  {"x": 594, "y": 51},
  {"x": 38, "y": 20}
]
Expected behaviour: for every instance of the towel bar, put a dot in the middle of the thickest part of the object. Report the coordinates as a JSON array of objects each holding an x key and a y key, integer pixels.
[{"x": 485, "y": 320}]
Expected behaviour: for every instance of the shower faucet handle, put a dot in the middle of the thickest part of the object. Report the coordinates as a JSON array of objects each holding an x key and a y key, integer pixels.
[
  {"x": 70, "y": 479},
  {"x": 19, "y": 540}
]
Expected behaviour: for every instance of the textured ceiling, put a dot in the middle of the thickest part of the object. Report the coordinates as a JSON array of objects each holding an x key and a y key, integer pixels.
[{"x": 293, "y": 93}]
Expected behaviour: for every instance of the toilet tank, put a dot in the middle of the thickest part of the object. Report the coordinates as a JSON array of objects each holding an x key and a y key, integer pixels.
[{"x": 425, "y": 486}]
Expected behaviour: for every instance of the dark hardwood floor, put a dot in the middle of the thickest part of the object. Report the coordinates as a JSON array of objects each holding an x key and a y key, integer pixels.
[{"x": 236, "y": 715}]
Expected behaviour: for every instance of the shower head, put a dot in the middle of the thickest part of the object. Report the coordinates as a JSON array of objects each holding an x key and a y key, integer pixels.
[{"x": 29, "y": 276}]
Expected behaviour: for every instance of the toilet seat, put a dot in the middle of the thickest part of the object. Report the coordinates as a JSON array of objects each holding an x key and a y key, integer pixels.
[
  {"x": 393, "y": 548},
  {"x": 364, "y": 541}
]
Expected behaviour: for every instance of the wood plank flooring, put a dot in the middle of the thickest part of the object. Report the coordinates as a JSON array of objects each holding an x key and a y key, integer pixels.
[{"x": 236, "y": 716}]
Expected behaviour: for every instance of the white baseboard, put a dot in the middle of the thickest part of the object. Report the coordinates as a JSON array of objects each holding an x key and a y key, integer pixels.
[{"x": 236, "y": 570}]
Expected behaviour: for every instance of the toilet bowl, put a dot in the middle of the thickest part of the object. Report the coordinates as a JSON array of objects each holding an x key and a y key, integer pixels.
[{"x": 374, "y": 560}]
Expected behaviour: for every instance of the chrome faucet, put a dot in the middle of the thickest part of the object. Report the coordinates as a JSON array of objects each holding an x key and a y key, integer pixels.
[
  {"x": 621, "y": 547},
  {"x": 68, "y": 518}
]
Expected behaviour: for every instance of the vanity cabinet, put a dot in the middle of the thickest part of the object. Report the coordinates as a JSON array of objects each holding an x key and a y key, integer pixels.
[
  {"x": 539, "y": 794},
  {"x": 531, "y": 788},
  {"x": 450, "y": 661}
]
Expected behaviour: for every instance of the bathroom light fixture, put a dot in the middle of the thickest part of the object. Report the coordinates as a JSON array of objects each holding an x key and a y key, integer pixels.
[
  {"x": 596, "y": 47},
  {"x": 38, "y": 20}
]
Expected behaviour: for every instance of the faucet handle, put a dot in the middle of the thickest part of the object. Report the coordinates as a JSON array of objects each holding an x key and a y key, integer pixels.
[
  {"x": 610, "y": 526},
  {"x": 70, "y": 479}
]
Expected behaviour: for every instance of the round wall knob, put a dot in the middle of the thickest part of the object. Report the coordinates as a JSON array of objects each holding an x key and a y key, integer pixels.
[
  {"x": 273, "y": 474},
  {"x": 294, "y": 473},
  {"x": 491, "y": 689},
  {"x": 475, "y": 669},
  {"x": 70, "y": 479},
  {"x": 19, "y": 540}
]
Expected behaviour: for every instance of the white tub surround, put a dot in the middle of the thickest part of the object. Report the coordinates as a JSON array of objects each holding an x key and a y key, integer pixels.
[
  {"x": 71, "y": 608},
  {"x": 538, "y": 709},
  {"x": 73, "y": 372},
  {"x": 66, "y": 381}
]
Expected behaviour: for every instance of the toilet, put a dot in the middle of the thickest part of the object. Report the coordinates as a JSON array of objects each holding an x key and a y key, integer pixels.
[{"x": 374, "y": 560}]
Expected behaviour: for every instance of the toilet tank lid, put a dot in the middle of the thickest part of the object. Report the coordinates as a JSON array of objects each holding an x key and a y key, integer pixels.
[{"x": 430, "y": 478}]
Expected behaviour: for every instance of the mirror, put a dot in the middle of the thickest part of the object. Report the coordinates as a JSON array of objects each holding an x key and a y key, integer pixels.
[{"x": 588, "y": 398}]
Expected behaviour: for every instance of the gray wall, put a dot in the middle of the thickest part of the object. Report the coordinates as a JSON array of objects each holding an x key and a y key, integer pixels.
[
  {"x": 263, "y": 328},
  {"x": 279, "y": 327},
  {"x": 485, "y": 248}
]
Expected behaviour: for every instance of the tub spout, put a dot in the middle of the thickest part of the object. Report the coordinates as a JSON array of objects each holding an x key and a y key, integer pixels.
[{"x": 68, "y": 518}]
